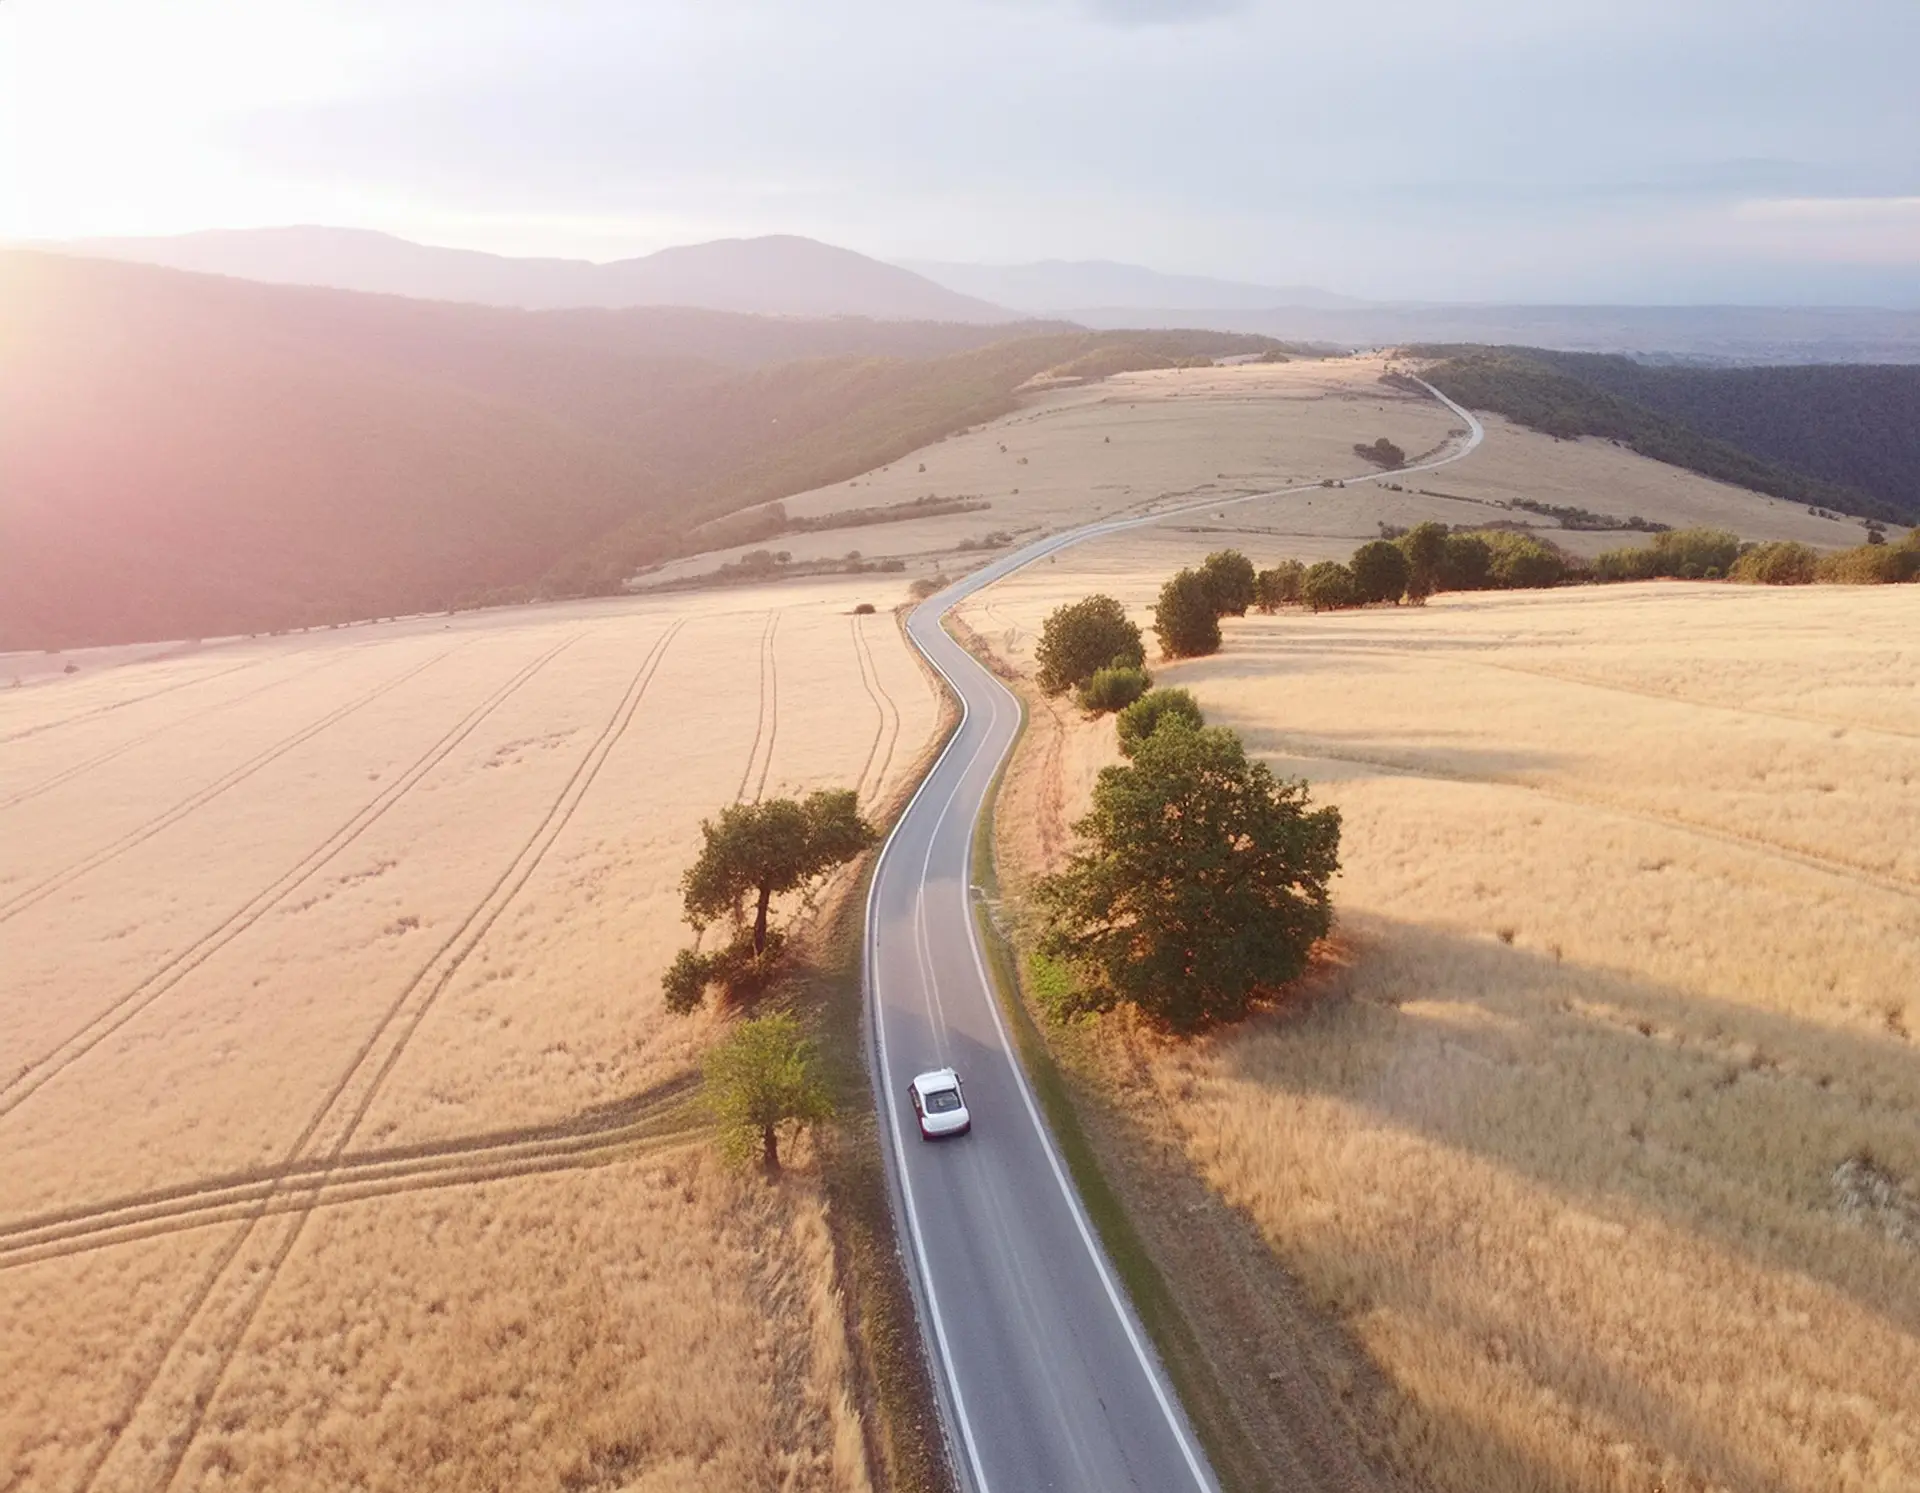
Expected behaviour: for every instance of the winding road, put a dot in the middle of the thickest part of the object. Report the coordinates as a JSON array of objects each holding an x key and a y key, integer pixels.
[{"x": 1046, "y": 1378}]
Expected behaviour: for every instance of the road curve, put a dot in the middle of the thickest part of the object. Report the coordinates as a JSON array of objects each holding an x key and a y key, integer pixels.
[{"x": 1047, "y": 1380}]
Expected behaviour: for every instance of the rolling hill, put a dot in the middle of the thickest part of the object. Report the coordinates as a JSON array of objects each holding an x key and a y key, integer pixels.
[
  {"x": 191, "y": 456},
  {"x": 780, "y": 275},
  {"x": 1060, "y": 287}
]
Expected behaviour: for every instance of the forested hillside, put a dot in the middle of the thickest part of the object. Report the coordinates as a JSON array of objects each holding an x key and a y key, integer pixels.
[
  {"x": 1838, "y": 437},
  {"x": 188, "y": 456},
  {"x": 1854, "y": 424}
]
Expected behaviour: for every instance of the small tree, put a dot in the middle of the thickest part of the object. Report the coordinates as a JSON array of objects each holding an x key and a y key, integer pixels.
[
  {"x": 1082, "y": 637},
  {"x": 1156, "y": 708},
  {"x": 1380, "y": 572},
  {"x": 1425, "y": 546},
  {"x": 1466, "y": 563},
  {"x": 760, "y": 1081},
  {"x": 1184, "y": 618},
  {"x": 1202, "y": 886},
  {"x": 1229, "y": 578},
  {"x": 1279, "y": 586},
  {"x": 753, "y": 853},
  {"x": 1328, "y": 586}
]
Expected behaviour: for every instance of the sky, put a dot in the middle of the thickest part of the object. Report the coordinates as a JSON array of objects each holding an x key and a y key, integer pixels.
[{"x": 1763, "y": 151}]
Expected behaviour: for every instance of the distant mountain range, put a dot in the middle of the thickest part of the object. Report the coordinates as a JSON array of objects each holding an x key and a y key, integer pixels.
[
  {"x": 780, "y": 275},
  {"x": 1058, "y": 287}
]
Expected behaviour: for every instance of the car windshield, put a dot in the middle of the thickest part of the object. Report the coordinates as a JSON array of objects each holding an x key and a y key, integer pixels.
[{"x": 943, "y": 1101}]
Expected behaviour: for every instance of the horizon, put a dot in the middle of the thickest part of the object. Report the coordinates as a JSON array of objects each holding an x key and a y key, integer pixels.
[{"x": 1672, "y": 159}]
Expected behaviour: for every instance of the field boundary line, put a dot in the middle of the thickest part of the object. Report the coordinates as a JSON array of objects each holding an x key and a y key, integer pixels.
[
  {"x": 181, "y": 964},
  {"x": 21, "y": 901},
  {"x": 100, "y": 710},
  {"x": 459, "y": 945}
]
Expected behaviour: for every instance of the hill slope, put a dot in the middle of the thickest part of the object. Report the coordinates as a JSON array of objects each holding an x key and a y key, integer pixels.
[
  {"x": 1858, "y": 426},
  {"x": 1557, "y": 394},
  {"x": 1056, "y": 286},
  {"x": 190, "y": 456},
  {"x": 778, "y": 275}
]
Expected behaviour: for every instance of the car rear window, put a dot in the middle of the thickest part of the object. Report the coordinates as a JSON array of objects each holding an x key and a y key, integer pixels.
[{"x": 943, "y": 1101}]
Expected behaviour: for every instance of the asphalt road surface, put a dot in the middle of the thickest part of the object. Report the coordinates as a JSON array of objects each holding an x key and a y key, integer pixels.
[{"x": 1047, "y": 1380}]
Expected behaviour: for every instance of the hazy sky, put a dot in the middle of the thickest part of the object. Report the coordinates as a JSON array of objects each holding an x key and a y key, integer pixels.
[{"x": 1486, "y": 149}]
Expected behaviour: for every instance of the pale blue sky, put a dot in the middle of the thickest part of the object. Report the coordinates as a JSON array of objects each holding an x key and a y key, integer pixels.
[{"x": 1505, "y": 149}]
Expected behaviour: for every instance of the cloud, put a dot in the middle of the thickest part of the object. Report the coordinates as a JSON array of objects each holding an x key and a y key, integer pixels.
[{"x": 1162, "y": 12}]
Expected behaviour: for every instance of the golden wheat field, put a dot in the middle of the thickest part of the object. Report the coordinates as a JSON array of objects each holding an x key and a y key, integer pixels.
[
  {"x": 344, "y": 1141},
  {"x": 1600, "y": 1127}
]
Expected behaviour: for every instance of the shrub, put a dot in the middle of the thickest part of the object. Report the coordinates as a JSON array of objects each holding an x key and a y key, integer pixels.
[
  {"x": 927, "y": 585},
  {"x": 1153, "y": 710},
  {"x": 1379, "y": 572},
  {"x": 1683, "y": 554},
  {"x": 1113, "y": 688},
  {"x": 1279, "y": 586},
  {"x": 1781, "y": 563},
  {"x": 864, "y": 609},
  {"x": 1466, "y": 563},
  {"x": 1383, "y": 453},
  {"x": 1051, "y": 984},
  {"x": 1201, "y": 887},
  {"x": 1871, "y": 565},
  {"x": 1425, "y": 546},
  {"x": 1184, "y": 618},
  {"x": 1519, "y": 562},
  {"x": 1328, "y": 586},
  {"x": 1229, "y": 578},
  {"x": 1083, "y": 637}
]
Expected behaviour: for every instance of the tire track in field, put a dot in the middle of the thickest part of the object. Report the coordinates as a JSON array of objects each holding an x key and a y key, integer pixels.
[
  {"x": 663, "y": 1114},
  {"x": 27, "y": 1080},
  {"x": 100, "y": 710},
  {"x": 760, "y": 729},
  {"x": 39, "y": 892},
  {"x": 1303, "y": 747},
  {"x": 773, "y": 705},
  {"x": 69, "y": 773},
  {"x": 1650, "y": 692},
  {"x": 884, "y": 705},
  {"x": 404, "y": 1014}
]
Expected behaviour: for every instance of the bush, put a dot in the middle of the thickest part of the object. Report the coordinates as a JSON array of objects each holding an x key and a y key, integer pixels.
[
  {"x": 1383, "y": 453},
  {"x": 1150, "y": 712},
  {"x": 865, "y": 609},
  {"x": 1781, "y": 563},
  {"x": 1425, "y": 546},
  {"x": 1229, "y": 578},
  {"x": 1113, "y": 688},
  {"x": 1871, "y": 565},
  {"x": 1279, "y": 586},
  {"x": 1184, "y": 618},
  {"x": 1520, "y": 562},
  {"x": 1083, "y": 637},
  {"x": 1466, "y": 563},
  {"x": 1683, "y": 554},
  {"x": 1051, "y": 984},
  {"x": 1328, "y": 586},
  {"x": 1379, "y": 572}
]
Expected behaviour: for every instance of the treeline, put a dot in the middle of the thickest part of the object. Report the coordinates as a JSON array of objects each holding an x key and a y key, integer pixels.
[
  {"x": 1538, "y": 391},
  {"x": 771, "y": 520}
]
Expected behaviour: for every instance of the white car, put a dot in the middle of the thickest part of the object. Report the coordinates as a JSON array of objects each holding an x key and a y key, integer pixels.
[{"x": 938, "y": 1104}]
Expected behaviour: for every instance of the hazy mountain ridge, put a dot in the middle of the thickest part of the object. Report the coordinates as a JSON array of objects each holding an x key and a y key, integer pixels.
[
  {"x": 777, "y": 275},
  {"x": 1062, "y": 287},
  {"x": 191, "y": 455}
]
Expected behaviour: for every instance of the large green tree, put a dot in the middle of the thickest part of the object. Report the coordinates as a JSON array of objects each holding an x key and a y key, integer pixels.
[
  {"x": 760, "y": 1080},
  {"x": 1230, "y": 582},
  {"x": 1083, "y": 637},
  {"x": 1279, "y": 586},
  {"x": 1425, "y": 546},
  {"x": 1328, "y": 586},
  {"x": 1380, "y": 571},
  {"x": 1201, "y": 886},
  {"x": 1184, "y": 619}
]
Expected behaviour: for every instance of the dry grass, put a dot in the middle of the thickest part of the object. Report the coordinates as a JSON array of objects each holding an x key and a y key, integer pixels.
[
  {"x": 349, "y": 944},
  {"x": 1626, "y": 978}
]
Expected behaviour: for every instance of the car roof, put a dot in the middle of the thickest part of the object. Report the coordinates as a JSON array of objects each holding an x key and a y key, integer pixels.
[{"x": 937, "y": 1078}]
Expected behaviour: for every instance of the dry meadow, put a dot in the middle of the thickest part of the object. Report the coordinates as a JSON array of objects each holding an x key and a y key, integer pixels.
[
  {"x": 1600, "y": 1129},
  {"x": 345, "y": 1141}
]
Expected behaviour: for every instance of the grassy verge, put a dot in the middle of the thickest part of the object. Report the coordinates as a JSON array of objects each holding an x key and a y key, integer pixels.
[{"x": 1236, "y": 1459}]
